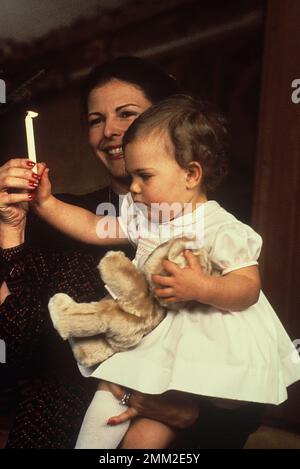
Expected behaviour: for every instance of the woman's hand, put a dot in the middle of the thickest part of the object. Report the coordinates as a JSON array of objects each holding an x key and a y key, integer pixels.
[
  {"x": 182, "y": 284},
  {"x": 17, "y": 182},
  {"x": 174, "y": 408}
]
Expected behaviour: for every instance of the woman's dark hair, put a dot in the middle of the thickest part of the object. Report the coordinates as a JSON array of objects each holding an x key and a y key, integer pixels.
[
  {"x": 153, "y": 82},
  {"x": 196, "y": 131}
]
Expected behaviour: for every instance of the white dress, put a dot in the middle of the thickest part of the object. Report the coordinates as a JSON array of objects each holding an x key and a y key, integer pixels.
[{"x": 245, "y": 355}]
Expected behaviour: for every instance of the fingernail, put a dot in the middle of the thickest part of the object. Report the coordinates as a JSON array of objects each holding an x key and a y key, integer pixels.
[
  {"x": 31, "y": 196},
  {"x": 36, "y": 176},
  {"x": 111, "y": 422},
  {"x": 30, "y": 163},
  {"x": 33, "y": 184}
]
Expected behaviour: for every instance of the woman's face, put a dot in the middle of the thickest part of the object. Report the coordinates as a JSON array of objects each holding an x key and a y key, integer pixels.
[{"x": 111, "y": 109}]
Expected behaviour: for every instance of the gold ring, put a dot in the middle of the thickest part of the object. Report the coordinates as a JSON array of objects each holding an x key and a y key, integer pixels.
[{"x": 125, "y": 398}]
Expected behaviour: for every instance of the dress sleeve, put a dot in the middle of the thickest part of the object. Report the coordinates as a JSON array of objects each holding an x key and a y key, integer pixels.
[
  {"x": 33, "y": 276},
  {"x": 235, "y": 246}
]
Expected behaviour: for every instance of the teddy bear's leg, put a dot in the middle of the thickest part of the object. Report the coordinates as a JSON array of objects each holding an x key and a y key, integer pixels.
[
  {"x": 73, "y": 319},
  {"x": 124, "y": 330},
  {"x": 89, "y": 351}
]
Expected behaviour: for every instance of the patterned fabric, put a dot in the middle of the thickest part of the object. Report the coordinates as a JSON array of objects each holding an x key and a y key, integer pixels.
[
  {"x": 52, "y": 397},
  {"x": 32, "y": 276},
  {"x": 49, "y": 413}
]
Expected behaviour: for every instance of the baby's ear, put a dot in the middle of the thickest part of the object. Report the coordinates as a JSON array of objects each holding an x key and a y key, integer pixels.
[{"x": 193, "y": 174}]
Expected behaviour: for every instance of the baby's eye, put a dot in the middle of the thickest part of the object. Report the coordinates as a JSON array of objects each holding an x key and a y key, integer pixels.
[{"x": 145, "y": 177}]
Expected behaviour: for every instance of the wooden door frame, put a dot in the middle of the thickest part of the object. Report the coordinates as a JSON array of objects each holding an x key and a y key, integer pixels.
[{"x": 276, "y": 204}]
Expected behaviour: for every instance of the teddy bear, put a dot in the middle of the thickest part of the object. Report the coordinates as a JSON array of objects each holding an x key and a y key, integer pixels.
[{"x": 119, "y": 321}]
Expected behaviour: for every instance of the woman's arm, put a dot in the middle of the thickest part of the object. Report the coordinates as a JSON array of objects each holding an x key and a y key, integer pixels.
[
  {"x": 20, "y": 308},
  {"x": 11, "y": 236},
  {"x": 12, "y": 225},
  {"x": 234, "y": 291},
  {"x": 21, "y": 317}
]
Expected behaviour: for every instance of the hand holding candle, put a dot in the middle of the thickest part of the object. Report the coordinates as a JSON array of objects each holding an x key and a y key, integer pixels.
[{"x": 30, "y": 136}]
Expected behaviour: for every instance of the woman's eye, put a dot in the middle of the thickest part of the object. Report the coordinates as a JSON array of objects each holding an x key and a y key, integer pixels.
[
  {"x": 96, "y": 121},
  {"x": 126, "y": 114},
  {"x": 145, "y": 177}
]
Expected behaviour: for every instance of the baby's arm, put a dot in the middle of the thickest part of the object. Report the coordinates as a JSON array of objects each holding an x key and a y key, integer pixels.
[
  {"x": 234, "y": 291},
  {"x": 76, "y": 221}
]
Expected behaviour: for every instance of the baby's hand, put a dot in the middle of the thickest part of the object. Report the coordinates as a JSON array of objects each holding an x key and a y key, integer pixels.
[
  {"x": 187, "y": 284},
  {"x": 43, "y": 191}
]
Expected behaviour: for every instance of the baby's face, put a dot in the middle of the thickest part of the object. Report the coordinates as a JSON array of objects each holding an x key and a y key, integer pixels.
[{"x": 156, "y": 176}]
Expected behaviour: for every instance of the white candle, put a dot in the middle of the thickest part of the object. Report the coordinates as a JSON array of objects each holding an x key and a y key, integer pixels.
[{"x": 30, "y": 135}]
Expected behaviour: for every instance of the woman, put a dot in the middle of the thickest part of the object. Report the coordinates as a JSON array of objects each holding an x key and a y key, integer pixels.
[{"x": 53, "y": 399}]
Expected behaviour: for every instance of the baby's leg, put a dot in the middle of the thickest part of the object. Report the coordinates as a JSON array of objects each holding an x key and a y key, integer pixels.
[
  {"x": 94, "y": 432},
  {"x": 148, "y": 434}
]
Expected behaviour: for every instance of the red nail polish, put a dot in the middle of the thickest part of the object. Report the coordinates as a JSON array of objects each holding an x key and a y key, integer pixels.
[
  {"x": 31, "y": 196},
  {"x": 30, "y": 163},
  {"x": 36, "y": 176},
  {"x": 111, "y": 422},
  {"x": 33, "y": 184}
]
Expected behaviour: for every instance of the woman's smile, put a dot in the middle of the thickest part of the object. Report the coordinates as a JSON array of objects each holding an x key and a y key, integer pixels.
[{"x": 114, "y": 152}]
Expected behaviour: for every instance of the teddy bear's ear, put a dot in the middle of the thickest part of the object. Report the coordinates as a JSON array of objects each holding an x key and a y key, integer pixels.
[
  {"x": 204, "y": 261},
  {"x": 177, "y": 248},
  {"x": 153, "y": 264},
  {"x": 183, "y": 243}
]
